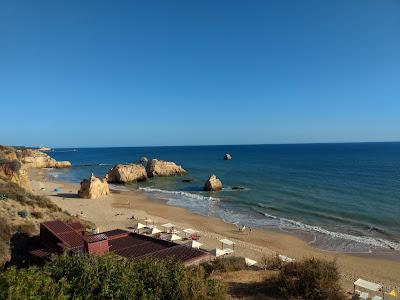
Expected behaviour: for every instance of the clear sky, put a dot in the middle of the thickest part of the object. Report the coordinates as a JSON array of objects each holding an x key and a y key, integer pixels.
[{"x": 135, "y": 73}]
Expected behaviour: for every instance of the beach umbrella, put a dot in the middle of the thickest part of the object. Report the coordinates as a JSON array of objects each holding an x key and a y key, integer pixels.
[
  {"x": 227, "y": 242},
  {"x": 189, "y": 231},
  {"x": 173, "y": 237},
  {"x": 249, "y": 262},
  {"x": 153, "y": 230},
  {"x": 168, "y": 226},
  {"x": 194, "y": 244},
  {"x": 139, "y": 226},
  {"x": 218, "y": 252},
  {"x": 148, "y": 220}
]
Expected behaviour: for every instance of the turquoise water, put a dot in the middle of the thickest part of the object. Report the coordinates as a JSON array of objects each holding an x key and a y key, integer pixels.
[{"x": 346, "y": 195}]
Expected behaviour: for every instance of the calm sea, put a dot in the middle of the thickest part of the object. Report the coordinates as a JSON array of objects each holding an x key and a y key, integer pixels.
[{"x": 347, "y": 196}]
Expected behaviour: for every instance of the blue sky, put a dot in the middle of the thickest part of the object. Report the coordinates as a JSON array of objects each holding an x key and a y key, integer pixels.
[{"x": 134, "y": 73}]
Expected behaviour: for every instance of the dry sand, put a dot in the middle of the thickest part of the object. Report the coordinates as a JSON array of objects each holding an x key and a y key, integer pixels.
[{"x": 116, "y": 210}]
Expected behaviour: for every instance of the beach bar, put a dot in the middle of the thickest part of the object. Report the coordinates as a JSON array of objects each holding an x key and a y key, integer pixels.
[
  {"x": 370, "y": 286},
  {"x": 57, "y": 237}
]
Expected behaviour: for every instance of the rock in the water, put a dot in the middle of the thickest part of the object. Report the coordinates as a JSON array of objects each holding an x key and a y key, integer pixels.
[
  {"x": 227, "y": 156},
  {"x": 163, "y": 168},
  {"x": 93, "y": 187},
  {"x": 187, "y": 180},
  {"x": 14, "y": 171},
  {"x": 213, "y": 184},
  {"x": 237, "y": 187},
  {"x": 127, "y": 173}
]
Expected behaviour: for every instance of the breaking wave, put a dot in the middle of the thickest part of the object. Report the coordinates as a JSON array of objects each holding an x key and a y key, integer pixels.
[
  {"x": 179, "y": 193},
  {"x": 370, "y": 241}
]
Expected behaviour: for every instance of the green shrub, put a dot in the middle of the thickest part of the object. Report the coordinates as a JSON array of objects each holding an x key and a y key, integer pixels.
[
  {"x": 32, "y": 283},
  {"x": 273, "y": 262},
  {"x": 225, "y": 264},
  {"x": 37, "y": 214},
  {"x": 111, "y": 277},
  {"x": 311, "y": 279}
]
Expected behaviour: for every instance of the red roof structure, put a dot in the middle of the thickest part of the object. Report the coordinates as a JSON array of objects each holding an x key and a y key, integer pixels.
[{"x": 57, "y": 236}]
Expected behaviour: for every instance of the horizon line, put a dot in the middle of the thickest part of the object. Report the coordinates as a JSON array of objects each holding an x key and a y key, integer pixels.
[{"x": 216, "y": 145}]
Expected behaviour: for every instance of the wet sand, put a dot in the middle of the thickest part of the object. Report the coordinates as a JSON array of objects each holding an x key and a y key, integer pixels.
[{"x": 116, "y": 211}]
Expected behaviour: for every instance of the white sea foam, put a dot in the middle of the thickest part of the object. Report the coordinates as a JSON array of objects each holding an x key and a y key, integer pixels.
[
  {"x": 375, "y": 242},
  {"x": 118, "y": 187},
  {"x": 179, "y": 193},
  {"x": 206, "y": 205}
]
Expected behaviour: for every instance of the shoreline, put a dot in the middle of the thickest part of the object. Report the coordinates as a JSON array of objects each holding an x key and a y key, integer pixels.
[{"x": 115, "y": 211}]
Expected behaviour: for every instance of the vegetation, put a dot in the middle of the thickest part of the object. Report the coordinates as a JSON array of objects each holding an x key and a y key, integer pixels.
[
  {"x": 225, "y": 264},
  {"x": 15, "y": 192},
  {"x": 109, "y": 277},
  {"x": 312, "y": 279}
]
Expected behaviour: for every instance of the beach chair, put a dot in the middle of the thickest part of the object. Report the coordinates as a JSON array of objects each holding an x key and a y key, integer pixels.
[{"x": 363, "y": 296}]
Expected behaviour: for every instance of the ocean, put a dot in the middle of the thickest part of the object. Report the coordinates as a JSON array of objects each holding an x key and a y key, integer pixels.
[{"x": 345, "y": 196}]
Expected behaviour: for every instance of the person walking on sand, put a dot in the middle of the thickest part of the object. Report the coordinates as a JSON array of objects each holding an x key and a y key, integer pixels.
[{"x": 249, "y": 230}]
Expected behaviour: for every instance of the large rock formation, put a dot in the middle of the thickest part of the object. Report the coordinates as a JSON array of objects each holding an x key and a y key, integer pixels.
[
  {"x": 127, "y": 173},
  {"x": 14, "y": 171},
  {"x": 163, "y": 168},
  {"x": 227, "y": 156},
  {"x": 93, "y": 187},
  {"x": 37, "y": 159},
  {"x": 7, "y": 153},
  {"x": 213, "y": 184}
]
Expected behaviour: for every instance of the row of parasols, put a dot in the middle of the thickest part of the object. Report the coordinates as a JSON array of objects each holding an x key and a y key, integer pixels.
[{"x": 148, "y": 228}]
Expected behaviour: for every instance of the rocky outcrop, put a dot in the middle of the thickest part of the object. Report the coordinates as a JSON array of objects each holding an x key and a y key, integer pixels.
[
  {"x": 227, "y": 156},
  {"x": 213, "y": 184},
  {"x": 93, "y": 187},
  {"x": 37, "y": 159},
  {"x": 163, "y": 168},
  {"x": 144, "y": 160},
  {"x": 127, "y": 173},
  {"x": 14, "y": 171}
]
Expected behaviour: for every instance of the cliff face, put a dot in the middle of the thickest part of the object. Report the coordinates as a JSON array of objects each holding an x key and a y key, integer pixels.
[
  {"x": 38, "y": 159},
  {"x": 14, "y": 171}
]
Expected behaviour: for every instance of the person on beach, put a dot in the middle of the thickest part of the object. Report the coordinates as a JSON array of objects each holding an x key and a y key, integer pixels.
[{"x": 249, "y": 230}]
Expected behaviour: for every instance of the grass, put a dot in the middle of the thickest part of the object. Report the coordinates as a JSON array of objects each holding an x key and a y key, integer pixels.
[
  {"x": 225, "y": 264},
  {"x": 14, "y": 191},
  {"x": 311, "y": 278}
]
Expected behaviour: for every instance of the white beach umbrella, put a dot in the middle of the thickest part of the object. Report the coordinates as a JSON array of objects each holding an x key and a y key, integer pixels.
[
  {"x": 218, "y": 252},
  {"x": 285, "y": 258},
  {"x": 139, "y": 226},
  {"x": 148, "y": 220},
  {"x": 194, "y": 244},
  {"x": 227, "y": 242},
  {"x": 249, "y": 262},
  {"x": 173, "y": 237},
  {"x": 189, "y": 231},
  {"x": 168, "y": 226},
  {"x": 153, "y": 230}
]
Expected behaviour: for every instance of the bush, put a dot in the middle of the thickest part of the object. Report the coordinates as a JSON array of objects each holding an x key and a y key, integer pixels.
[
  {"x": 225, "y": 264},
  {"x": 273, "y": 262},
  {"x": 110, "y": 277},
  {"x": 37, "y": 214},
  {"x": 312, "y": 279}
]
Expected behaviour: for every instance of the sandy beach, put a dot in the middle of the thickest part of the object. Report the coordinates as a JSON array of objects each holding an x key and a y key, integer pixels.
[{"x": 117, "y": 210}]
